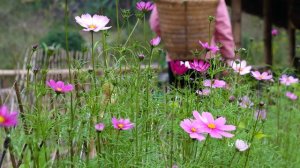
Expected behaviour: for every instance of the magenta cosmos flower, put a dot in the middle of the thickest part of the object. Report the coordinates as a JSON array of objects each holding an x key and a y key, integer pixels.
[
  {"x": 95, "y": 23},
  {"x": 178, "y": 68},
  {"x": 274, "y": 32},
  {"x": 215, "y": 128},
  {"x": 199, "y": 65},
  {"x": 215, "y": 84},
  {"x": 207, "y": 47},
  {"x": 155, "y": 41},
  {"x": 122, "y": 124},
  {"x": 291, "y": 95},
  {"x": 59, "y": 86},
  {"x": 8, "y": 119},
  {"x": 240, "y": 67},
  {"x": 192, "y": 128},
  {"x": 99, "y": 127},
  {"x": 261, "y": 76},
  {"x": 288, "y": 80},
  {"x": 144, "y": 6}
]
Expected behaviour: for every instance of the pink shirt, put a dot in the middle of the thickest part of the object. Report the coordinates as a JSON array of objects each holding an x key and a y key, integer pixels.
[{"x": 222, "y": 34}]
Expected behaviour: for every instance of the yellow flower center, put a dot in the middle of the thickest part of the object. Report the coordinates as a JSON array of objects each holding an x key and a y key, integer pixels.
[
  {"x": 193, "y": 129},
  {"x": 92, "y": 26},
  {"x": 58, "y": 89},
  {"x": 211, "y": 126},
  {"x": 121, "y": 126},
  {"x": 2, "y": 119}
]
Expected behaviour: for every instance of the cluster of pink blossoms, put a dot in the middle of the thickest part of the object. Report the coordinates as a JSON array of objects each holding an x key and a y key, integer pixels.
[
  {"x": 206, "y": 124},
  {"x": 118, "y": 124}
]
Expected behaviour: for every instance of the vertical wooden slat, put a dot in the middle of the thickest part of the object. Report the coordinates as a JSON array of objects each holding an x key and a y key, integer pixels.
[
  {"x": 267, "y": 32},
  {"x": 291, "y": 34},
  {"x": 236, "y": 21}
]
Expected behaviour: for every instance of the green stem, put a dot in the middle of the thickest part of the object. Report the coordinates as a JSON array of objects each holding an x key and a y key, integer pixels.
[
  {"x": 104, "y": 49},
  {"x": 117, "y": 15},
  {"x": 137, "y": 22},
  {"x": 70, "y": 81}
]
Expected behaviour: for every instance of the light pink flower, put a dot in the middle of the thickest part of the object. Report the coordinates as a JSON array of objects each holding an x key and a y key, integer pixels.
[
  {"x": 207, "y": 47},
  {"x": 245, "y": 102},
  {"x": 99, "y": 127},
  {"x": 274, "y": 32},
  {"x": 260, "y": 114},
  {"x": 186, "y": 64},
  {"x": 178, "y": 68},
  {"x": 122, "y": 124},
  {"x": 8, "y": 119},
  {"x": 199, "y": 65},
  {"x": 291, "y": 95},
  {"x": 204, "y": 92},
  {"x": 59, "y": 86},
  {"x": 216, "y": 83},
  {"x": 192, "y": 128},
  {"x": 261, "y": 76},
  {"x": 215, "y": 128},
  {"x": 155, "y": 41},
  {"x": 240, "y": 67},
  {"x": 95, "y": 23},
  {"x": 288, "y": 80},
  {"x": 144, "y": 6},
  {"x": 241, "y": 145}
]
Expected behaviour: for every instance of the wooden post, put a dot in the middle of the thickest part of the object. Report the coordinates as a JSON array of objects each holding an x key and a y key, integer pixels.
[
  {"x": 291, "y": 34},
  {"x": 236, "y": 21},
  {"x": 267, "y": 32}
]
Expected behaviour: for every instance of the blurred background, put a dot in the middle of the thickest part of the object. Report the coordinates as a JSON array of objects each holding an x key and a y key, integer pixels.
[{"x": 28, "y": 22}]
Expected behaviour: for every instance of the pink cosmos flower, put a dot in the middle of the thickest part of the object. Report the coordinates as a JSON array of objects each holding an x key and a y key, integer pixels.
[
  {"x": 8, "y": 119},
  {"x": 199, "y": 65},
  {"x": 216, "y": 83},
  {"x": 193, "y": 128},
  {"x": 288, "y": 80},
  {"x": 261, "y": 76},
  {"x": 207, "y": 47},
  {"x": 178, "y": 68},
  {"x": 240, "y": 67},
  {"x": 215, "y": 128},
  {"x": 59, "y": 86},
  {"x": 99, "y": 127},
  {"x": 155, "y": 41},
  {"x": 291, "y": 95},
  {"x": 245, "y": 102},
  {"x": 274, "y": 32},
  {"x": 260, "y": 114},
  {"x": 144, "y": 6},
  {"x": 204, "y": 92},
  {"x": 122, "y": 124},
  {"x": 94, "y": 23}
]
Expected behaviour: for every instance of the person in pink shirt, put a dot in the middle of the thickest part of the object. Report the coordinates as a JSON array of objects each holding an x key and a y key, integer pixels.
[{"x": 222, "y": 34}]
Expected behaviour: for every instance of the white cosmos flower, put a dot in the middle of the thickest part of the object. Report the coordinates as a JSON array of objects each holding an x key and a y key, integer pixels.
[
  {"x": 240, "y": 67},
  {"x": 241, "y": 145},
  {"x": 95, "y": 23}
]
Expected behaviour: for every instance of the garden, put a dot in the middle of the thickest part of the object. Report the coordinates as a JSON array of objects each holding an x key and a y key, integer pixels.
[{"x": 93, "y": 93}]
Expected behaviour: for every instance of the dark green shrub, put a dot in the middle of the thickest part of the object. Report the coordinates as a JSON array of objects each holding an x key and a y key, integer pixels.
[{"x": 57, "y": 37}]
